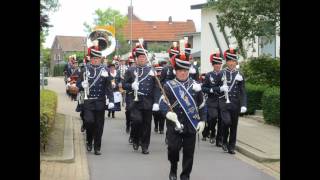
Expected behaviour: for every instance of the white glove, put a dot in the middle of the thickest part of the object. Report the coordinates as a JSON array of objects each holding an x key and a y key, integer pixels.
[
  {"x": 68, "y": 79},
  {"x": 238, "y": 77},
  {"x": 155, "y": 107},
  {"x": 172, "y": 116},
  {"x": 243, "y": 109},
  {"x": 107, "y": 101},
  {"x": 135, "y": 86},
  {"x": 211, "y": 90},
  {"x": 110, "y": 106},
  {"x": 200, "y": 126},
  {"x": 224, "y": 88},
  {"x": 196, "y": 87},
  {"x": 85, "y": 84}
]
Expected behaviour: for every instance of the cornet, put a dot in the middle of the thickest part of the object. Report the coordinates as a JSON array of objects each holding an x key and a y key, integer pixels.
[
  {"x": 136, "y": 80},
  {"x": 226, "y": 93}
]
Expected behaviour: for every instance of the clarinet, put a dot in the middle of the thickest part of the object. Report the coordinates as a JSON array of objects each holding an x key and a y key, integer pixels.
[
  {"x": 85, "y": 79},
  {"x": 226, "y": 93},
  {"x": 136, "y": 81}
]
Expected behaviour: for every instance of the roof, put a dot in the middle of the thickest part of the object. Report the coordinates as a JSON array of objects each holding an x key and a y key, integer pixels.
[
  {"x": 70, "y": 43},
  {"x": 198, "y": 6},
  {"x": 157, "y": 30}
]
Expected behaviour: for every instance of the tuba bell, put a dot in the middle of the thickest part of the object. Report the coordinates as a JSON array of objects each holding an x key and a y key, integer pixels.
[{"x": 104, "y": 36}]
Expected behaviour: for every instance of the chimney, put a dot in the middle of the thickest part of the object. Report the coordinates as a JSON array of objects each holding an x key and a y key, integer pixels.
[
  {"x": 170, "y": 20},
  {"x": 130, "y": 10}
]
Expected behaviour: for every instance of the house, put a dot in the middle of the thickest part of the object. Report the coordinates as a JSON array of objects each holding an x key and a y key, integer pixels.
[
  {"x": 212, "y": 38},
  {"x": 160, "y": 32},
  {"x": 64, "y": 45}
]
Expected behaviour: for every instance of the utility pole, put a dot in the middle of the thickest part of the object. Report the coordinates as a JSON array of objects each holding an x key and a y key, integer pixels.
[{"x": 131, "y": 23}]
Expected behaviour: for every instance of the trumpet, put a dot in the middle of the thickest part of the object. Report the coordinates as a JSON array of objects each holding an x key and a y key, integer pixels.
[
  {"x": 226, "y": 93},
  {"x": 136, "y": 91},
  {"x": 85, "y": 79}
]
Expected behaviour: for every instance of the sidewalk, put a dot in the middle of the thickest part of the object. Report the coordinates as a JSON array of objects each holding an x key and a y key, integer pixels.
[
  {"x": 74, "y": 166},
  {"x": 258, "y": 140}
]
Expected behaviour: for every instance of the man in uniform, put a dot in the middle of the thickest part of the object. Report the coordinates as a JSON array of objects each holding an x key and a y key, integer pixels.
[
  {"x": 143, "y": 98},
  {"x": 99, "y": 88},
  {"x": 193, "y": 71},
  {"x": 233, "y": 86},
  {"x": 188, "y": 109},
  {"x": 131, "y": 63},
  {"x": 212, "y": 89},
  {"x": 157, "y": 115}
]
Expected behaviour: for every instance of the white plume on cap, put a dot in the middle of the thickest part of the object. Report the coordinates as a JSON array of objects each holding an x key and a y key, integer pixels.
[
  {"x": 216, "y": 50},
  {"x": 175, "y": 44},
  {"x": 182, "y": 48},
  {"x": 232, "y": 46}
]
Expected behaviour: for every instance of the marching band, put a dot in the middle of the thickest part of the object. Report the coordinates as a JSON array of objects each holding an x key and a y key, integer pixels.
[{"x": 172, "y": 92}]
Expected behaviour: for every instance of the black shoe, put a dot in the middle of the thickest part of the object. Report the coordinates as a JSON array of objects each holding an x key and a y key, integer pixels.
[
  {"x": 212, "y": 140},
  {"x": 218, "y": 144},
  {"x": 161, "y": 132},
  {"x": 145, "y": 151},
  {"x": 156, "y": 130},
  {"x": 172, "y": 176},
  {"x": 135, "y": 146},
  {"x": 89, "y": 147},
  {"x": 108, "y": 115},
  {"x": 82, "y": 128},
  {"x": 224, "y": 147},
  {"x": 113, "y": 116},
  {"x": 127, "y": 130},
  {"x": 231, "y": 151},
  {"x": 97, "y": 152}
]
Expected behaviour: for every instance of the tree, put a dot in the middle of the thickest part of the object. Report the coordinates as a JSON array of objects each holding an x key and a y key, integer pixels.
[
  {"x": 46, "y": 6},
  {"x": 248, "y": 18},
  {"x": 109, "y": 17}
]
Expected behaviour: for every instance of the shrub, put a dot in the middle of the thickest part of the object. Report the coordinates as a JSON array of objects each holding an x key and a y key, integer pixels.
[
  {"x": 271, "y": 105},
  {"x": 262, "y": 70},
  {"x": 58, "y": 70},
  {"x": 254, "y": 95},
  {"x": 48, "y": 107}
]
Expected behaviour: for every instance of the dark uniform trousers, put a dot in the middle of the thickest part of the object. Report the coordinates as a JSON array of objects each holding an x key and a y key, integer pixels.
[
  {"x": 176, "y": 141},
  {"x": 210, "y": 129},
  {"x": 230, "y": 116},
  {"x": 94, "y": 126},
  {"x": 158, "y": 120},
  {"x": 141, "y": 130}
]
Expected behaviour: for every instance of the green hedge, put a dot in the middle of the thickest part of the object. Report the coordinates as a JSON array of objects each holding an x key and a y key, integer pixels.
[
  {"x": 262, "y": 70},
  {"x": 48, "y": 108},
  {"x": 254, "y": 95},
  {"x": 58, "y": 70},
  {"x": 271, "y": 105}
]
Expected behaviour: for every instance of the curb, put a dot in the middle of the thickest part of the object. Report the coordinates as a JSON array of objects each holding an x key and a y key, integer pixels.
[
  {"x": 255, "y": 154},
  {"x": 68, "y": 145}
]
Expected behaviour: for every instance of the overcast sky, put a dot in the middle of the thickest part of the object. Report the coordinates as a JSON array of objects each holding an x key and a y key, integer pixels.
[{"x": 69, "y": 19}]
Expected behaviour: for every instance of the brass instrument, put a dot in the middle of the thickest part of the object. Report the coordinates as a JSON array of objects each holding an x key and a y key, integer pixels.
[
  {"x": 136, "y": 80},
  {"x": 226, "y": 93}
]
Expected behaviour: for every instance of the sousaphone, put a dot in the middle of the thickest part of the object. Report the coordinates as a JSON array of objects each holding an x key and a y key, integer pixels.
[{"x": 105, "y": 35}]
